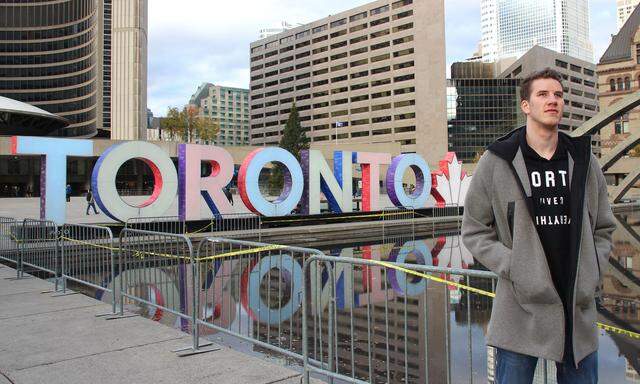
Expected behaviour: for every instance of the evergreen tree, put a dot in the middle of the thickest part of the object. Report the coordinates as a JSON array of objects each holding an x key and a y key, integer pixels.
[{"x": 294, "y": 140}]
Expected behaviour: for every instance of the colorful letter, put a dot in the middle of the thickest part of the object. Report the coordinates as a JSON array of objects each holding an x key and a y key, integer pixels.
[
  {"x": 248, "y": 182},
  {"x": 395, "y": 175},
  {"x": 103, "y": 180},
  {"x": 210, "y": 187},
  {"x": 370, "y": 165},
  {"x": 399, "y": 280},
  {"x": 336, "y": 187},
  {"x": 54, "y": 159}
]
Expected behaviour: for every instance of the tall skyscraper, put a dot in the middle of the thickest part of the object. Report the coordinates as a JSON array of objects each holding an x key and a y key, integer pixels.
[
  {"x": 511, "y": 27},
  {"x": 372, "y": 74},
  {"x": 57, "y": 55},
  {"x": 129, "y": 70},
  {"x": 229, "y": 107},
  {"x": 624, "y": 9}
]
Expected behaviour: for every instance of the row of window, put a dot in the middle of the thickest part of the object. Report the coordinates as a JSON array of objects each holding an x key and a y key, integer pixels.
[
  {"x": 333, "y": 24},
  {"x": 317, "y": 128},
  {"x": 620, "y": 85}
]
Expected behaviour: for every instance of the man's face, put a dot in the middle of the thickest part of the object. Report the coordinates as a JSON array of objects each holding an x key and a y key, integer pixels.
[{"x": 545, "y": 103}]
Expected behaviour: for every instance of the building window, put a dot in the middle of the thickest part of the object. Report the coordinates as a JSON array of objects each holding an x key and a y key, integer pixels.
[
  {"x": 627, "y": 83},
  {"x": 619, "y": 84},
  {"x": 622, "y": 124},
  {"x": 638, "y": 53},
  {"x": 612, "y": 85}
]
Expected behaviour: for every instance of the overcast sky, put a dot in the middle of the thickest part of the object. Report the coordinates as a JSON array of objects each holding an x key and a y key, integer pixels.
[{"x": 196, "y": 41}]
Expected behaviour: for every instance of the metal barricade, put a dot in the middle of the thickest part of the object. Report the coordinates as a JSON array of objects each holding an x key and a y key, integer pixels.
[
  {"x": 9, "y": 250},
  {"x": 398, "y": 224},
  {"x": 39, "y": 247},
  {"x": 237, "y": 225},
  {"x": 88, "y": 258},
  {"x": 379, "y": 315},
  {"x": 443, "y": 211},
  {"x": 167, "y": 224},
  {"x": 153, "y": 274},
  {"x": 252, "y": 291}
]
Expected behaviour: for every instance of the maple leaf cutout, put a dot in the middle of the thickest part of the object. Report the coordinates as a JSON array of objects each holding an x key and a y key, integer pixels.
[{"x": 449, "y": 184}]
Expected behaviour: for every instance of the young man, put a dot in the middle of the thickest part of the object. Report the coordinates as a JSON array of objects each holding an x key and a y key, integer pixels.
[{"x": 537, "y": 214}]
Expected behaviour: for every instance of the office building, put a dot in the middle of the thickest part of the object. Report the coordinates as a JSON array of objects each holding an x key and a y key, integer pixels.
[
  {"x": 372, "y": 74},
  {"x": 229, "y": 107},
  {"x": 479, "y": 111},
  {"x": 624, "y": 8},
  {"x": 57, "y": 56},
  {"x": 579, "y": 82},
  {"x": 511, "y": 27}
]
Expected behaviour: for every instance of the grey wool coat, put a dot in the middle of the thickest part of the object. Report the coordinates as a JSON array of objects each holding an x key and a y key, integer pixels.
[{"x": 528, "y": 315}]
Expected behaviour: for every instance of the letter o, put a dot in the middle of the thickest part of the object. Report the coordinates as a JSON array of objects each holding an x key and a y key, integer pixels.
[
  {"x": 103, "y": 180},
  {"x": 399, "y": 280},
  {"x": 395, "y": 174},
  {"x": 248, "y": 182},
  {"x": 291, "y": 273}
]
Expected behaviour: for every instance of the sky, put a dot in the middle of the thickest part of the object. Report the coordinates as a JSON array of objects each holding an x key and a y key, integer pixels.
[{"x": 197, "y": 41}]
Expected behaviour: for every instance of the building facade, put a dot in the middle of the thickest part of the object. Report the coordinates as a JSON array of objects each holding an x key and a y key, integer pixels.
[
  {"x": 619, "y": 75},
  {"x": 229, "y": 107},
  {"x": 57, "y": 55},
  {"x": 624, "y": 8},
  {"x": 580, "y": 82},
  {"x": 511, "y": 27},
  {"x": 129, "y": 68},
  {"x": 356, "y": 76},
  {"x": 479, "y": 111}
]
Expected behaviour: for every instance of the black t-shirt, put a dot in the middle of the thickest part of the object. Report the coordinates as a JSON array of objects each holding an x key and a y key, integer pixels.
[
  {"x": 549, "y": 181},
  {"x": 550, "y": 190}
]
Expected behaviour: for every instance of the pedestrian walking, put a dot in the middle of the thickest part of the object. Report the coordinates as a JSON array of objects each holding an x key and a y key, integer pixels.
[
  {"x": 68, "y": 193},
  {"x": 537, "y": 214},
  {"x": 91, "y": 202}
]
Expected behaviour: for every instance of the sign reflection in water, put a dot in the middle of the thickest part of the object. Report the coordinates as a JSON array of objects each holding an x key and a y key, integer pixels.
[{"x": 368, "y": 302}]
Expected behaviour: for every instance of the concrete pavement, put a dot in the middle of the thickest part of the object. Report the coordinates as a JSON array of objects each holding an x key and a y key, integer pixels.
[{"x": 45, "y": 339}]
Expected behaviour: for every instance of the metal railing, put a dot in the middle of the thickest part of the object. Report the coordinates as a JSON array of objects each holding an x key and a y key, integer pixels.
[
  {"x": 398, "y": 224},
  {"x": 446, "y": 210},
  {"x": 374, "y": 327},
  {"x": 261, "y": 281},
  {"x": 88, "y": 258},
  {"x": 150, "y": 265},
  {"x": 167, "y": 224},
  {"x": 239, "y": 225},
  {"x": 9, "y": 250},
  {"x": 39, "y": 247}
]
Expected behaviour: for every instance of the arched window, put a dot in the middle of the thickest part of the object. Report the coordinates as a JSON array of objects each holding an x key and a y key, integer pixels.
[
  {"x": 627, "y": 83},
  {"x": 612, "y": 84},
  {"x": 620, "y": 84}
]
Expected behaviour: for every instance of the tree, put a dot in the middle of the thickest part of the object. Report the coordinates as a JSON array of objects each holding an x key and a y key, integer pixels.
[
  {"x": 188, "y": 126},
  {"x": 294, "y": 140}
]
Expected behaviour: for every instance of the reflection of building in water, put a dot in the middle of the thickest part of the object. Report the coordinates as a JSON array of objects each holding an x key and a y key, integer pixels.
[
  {"x": 630, "y": 373},
  {"x": 382, "y": 336}
]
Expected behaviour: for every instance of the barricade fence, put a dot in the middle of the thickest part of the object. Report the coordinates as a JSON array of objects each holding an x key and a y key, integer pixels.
[
  {"x": 167, "y": 224},
  {"x": 252, "y": 291},
  {"x": 398, "y": 224},
  {"x": 378, "y": 316},
  {"x": 39, "y": 248},
  {"x": 88, "y": 258},
  {"x": 8, "y": 241},
  {"x": 351, "y": 319}
]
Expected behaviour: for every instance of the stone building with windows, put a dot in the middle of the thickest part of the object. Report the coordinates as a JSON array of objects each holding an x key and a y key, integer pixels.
[
  {"x": 227, "y": 106},
  {"x": 372, "y": 74},
  {"x": 619, "y": 75}
]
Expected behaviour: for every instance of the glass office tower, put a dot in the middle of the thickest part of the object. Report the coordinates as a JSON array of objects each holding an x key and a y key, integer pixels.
[{"x": 512, "y": 27}]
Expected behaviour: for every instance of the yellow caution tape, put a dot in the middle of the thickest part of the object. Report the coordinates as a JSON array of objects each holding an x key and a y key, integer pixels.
[
  {"x": 611, "y": 328},
  {"x": 242, "y": 252}
]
